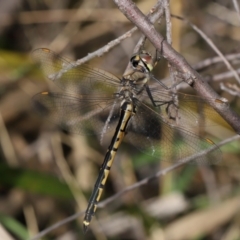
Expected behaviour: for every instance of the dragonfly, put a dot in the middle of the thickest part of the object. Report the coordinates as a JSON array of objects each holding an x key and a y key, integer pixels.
[{"x": 92, "y": 101}]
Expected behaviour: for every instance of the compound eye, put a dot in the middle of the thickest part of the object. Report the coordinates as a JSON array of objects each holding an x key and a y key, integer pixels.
[{"x": 134, "y": 62}]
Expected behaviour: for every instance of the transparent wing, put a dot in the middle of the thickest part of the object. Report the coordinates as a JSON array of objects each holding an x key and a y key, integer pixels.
[
  {"x": 75, "y": 79},
  {"x": 183, "y": 110},
  {"x": 81, "y": 114},
  {"x": 162, "y": 133},
  {"x": 149, "y": 132}
]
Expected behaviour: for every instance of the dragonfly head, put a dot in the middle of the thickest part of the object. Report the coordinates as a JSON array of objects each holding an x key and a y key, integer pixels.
[{"x": 142, "y": 62}]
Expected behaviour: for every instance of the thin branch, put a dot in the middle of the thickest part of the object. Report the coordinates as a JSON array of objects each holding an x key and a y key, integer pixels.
[
  {"x": 169, "y": 40},
  {"x": 168, "y": 21},
  {"x": 57, "y": 225},
  {"x": 106, "y": 48},
  {"x": 232, "y": 89},
  {"x": 195, "y": 80},
  {"x": 209, "y": 61},
  {"x": 211, "y": 44},
  {"x": 153, "y": 17},
  {"x": 145, "y": 181},
  {"x": 224, "y": 75}
]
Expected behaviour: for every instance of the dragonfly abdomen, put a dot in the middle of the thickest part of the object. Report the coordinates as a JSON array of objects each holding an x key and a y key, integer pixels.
[{"x": 127, "y": 110}]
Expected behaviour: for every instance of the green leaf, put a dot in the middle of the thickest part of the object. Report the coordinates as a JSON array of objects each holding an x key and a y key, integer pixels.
[
  {"x": 32, "y": 181},
  {"x": 14, "y": 227}
]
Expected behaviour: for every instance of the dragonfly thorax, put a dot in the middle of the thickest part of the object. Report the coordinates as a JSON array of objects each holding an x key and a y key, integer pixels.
[
  {"x": 131, "y": 87},
  {"x": 126, "y": 94}
]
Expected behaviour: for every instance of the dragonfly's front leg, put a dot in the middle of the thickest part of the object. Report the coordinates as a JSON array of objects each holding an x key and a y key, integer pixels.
[{"x": 170, "y": 106}]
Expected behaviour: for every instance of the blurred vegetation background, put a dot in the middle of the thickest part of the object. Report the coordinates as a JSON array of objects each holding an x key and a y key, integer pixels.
[{"x": 47, "y": 175}]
